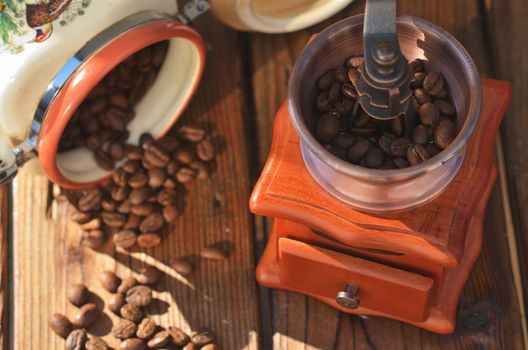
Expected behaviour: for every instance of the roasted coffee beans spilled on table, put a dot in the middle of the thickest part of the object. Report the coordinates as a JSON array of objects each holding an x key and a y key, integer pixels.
[
  {"x": 100, "y": 123},
  {"x": 144, "y": 195},
  {"x": 134, "y": 329},
  {"x": 349, "y": 133}
]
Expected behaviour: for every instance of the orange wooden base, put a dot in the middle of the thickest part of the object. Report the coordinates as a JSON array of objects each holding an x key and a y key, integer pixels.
[{"x": 409, "y": 266}]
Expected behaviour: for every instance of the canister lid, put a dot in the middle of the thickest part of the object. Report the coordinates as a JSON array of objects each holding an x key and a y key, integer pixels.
[{"x": 275, "y": 16}]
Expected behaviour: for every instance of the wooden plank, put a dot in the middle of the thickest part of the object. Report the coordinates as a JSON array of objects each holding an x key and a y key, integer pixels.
[
  {"x": 507, "y": 28},
  {"x": 489, "y": 313},
  {"x": 220, "y": 295},
  {"x": 4, "y": 266}
]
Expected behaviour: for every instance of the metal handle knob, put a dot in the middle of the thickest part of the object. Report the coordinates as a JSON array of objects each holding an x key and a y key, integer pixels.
[
  {"x": 348, "y": 298},
  {"x": 13, "y": 158}
]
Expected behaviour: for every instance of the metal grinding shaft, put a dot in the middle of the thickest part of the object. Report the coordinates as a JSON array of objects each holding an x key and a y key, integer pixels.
[{"x": 384, "y": 91}]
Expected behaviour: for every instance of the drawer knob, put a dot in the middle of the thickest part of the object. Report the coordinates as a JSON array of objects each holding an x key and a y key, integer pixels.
[{"x": 348, "y": 298}]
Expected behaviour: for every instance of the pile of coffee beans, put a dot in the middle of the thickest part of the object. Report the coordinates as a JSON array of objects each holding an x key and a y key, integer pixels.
[
  {"x": 349, "y": 133},
  {"x": 135, "y": 330},
  {"x": 141, "y": 197},
  {"x": 100, "y": 123}
]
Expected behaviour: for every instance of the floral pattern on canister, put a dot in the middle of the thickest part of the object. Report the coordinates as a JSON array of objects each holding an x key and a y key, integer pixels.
[{"x": 31, "y": 21}]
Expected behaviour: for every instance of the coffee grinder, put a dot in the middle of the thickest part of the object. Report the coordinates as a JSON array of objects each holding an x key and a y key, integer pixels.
[{"x": 394, "y": 243}]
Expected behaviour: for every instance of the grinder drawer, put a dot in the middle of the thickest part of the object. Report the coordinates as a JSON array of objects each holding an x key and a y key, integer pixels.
[{"x": 324, "y": 273}]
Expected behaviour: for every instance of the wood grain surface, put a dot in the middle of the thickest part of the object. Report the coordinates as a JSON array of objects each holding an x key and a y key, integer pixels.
[
  {"x": 244, "y": 84},
  {"x": 220, "y": 295}
]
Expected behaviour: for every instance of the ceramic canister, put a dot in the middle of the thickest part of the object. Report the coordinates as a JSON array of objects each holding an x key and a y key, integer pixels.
[{"x": 53, "y": 52}]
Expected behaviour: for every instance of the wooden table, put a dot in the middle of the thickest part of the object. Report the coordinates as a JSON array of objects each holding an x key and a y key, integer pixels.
[{"x": 243, "y": 86}]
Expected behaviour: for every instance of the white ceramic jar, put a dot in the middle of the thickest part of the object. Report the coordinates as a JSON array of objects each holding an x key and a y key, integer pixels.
[{"x": 54, "y": 52}]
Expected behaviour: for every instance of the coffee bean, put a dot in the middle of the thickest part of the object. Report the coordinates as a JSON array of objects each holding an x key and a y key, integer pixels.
[
  {"x": 420, "y": 134},
  {"x": 133, "y": 344},
  {"x": 132, "y": 222},
  {"x": 116, "y": 302},
  {"x": 108, "y": 205},
  {"x": 148, "y": 240},
  {"x": 109, "y": 281},
  {"x": 76, "y": 340},
  {"x": 418, "y": 80},
  {"x": 399, "y": 147},
  {"x": 205, "y": 150},
  {"x": 86, "y": 315},
  {"x": 104, "y": 160},
  {"x": 432, "y": 149},
  {"x": 96, "y": 343},
  {"x": 374, "y": 157},
  {"x": 326, "y": 80},
  {"x": 185, "y": 175},
  {"x": 97, "y": 105},
  {"x": 203, "y": 336},
  {"x": 401, "y": 162},
  {"x": 385, "y": 142},
  {"x": 156, "y": 177},
  {"x": 170, "y": 183},
  {"x": 80, "y": 217},
  {"x": 328, "y": 127},
  {"x": 421, "y": 96},
  {"x": 417, "y": 65},
  {"x": 94, "y": 239},
  {"x": 124, "y": 329},
  {"x": 116, "y": 151},
  {"x": 126, "y": 284},
  {"x": 60, "y": 325},
  {"x": 213, "y": 253},
  {"x": 191, "y": 346},
  {"x": 118, "y": 99},
  {"x": 183, "y": 156},
  {"x": 200, "y": 168},
  {"x": 169, "y": 143},
  {"x": 433, "y": 83},
  {"x": 358, "y": 150},
  {"x": 159, "y": 340},
  {"x": 134, "y": 152},
  {"x": 177, "y": 336},
  {"x": 151, "y": 223},
  {"x": 120, "y": 178},
  {"x": 445, "y": 107},
  {"x": 125, "y": 239},
  {"x": 131, "y": 166},
  {"x": 114, "y": 220},
  {"x": 417, "y": 154},
  {"x": 77, "y": 294},
  {"x": 444, "y": 133},
  {"x": 341, "y": 75},
  {"x": 343, "y": 140},
  {"x": 192, "y": 134},
  {"x": 146, "y": 328},
  {"x": 140, "y": 195},
  {"x": 138, "y": 180},
  {"x": 139, "y": 296},
  {"x": 131, "y": 312},
  {"x": 442, "y": 94},
  {"x": 172, "y": 167},
  {"x": 143, "y": 209},
  {"x": 388, "y": 163},
  {"x": 148, "y": 275},
  {"x": 211, "y": 346},
  {"x": 125, "y": 208},
  {"x": 91, "y": 200},
  {"x": 170, "y": 213},
  {"x": 182, "y": 266},
  {"x": 167, "y": 196},
  {"x": 93, "y": 142},
  {"x": 362, "y": 119},
  {"x": 119, "y": 194},
  {"x": 344, "y": 106},
  {"x": 429, "y": 114},
  {"x": 365, "y": 131}
]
